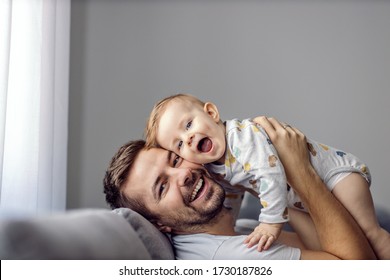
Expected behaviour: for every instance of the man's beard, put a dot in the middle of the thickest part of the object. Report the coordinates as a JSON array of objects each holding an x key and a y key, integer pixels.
[{"x": 193, "y": 219}]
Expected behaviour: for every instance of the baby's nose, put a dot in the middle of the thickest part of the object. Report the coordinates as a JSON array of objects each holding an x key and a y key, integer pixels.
[{"x": 190, "y": 139}]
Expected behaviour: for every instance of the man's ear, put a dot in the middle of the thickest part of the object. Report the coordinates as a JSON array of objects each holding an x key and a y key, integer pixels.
[
  {"x": 211, "y": 110},
  {"x": 163, "y": 228}
]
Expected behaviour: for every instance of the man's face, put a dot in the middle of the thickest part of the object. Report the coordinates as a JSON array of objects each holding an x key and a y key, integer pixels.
[{"x": 181, "y": 193}]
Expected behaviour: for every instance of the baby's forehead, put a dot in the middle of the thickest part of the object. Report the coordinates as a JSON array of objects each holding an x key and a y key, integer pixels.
[
  {"x": 183, "y": 101},
  {"x": 178, "y": 108},
  {"x": 182, "y": 104}
]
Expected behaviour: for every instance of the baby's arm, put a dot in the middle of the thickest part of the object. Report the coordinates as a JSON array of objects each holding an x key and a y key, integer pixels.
[
  {"x": 258, "y": 164},
  {"x": 264, "y": 235}
]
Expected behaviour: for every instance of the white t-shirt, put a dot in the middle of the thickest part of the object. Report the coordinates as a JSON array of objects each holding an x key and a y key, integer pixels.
[{"x": 202, "y": 246}]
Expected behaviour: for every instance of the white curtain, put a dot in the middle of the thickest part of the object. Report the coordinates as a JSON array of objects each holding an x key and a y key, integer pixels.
[{"x": 34, "y": 64}]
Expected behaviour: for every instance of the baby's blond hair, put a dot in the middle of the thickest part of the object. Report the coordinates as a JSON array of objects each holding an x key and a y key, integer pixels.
[{"x": 159, "y": 108}]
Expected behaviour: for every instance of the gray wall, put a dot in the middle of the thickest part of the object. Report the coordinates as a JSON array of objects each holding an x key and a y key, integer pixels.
[{"x": 321, "y": 66}]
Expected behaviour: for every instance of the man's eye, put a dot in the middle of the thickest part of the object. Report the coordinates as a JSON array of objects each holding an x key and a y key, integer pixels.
[
  {"x": 188, "y": 124},
  {"x": 176, "y": 161},
  {"x": 180, "y": 144},
  {"x": 162, "y": 188}
]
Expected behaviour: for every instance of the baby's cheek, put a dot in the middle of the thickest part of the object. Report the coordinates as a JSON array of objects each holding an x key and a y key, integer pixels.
[
  {"x": 194, "y": 157},
  {"x": 187, "y": 155}
]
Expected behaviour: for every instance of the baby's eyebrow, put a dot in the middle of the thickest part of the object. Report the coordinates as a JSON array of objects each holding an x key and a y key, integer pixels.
[
  {"x": 180, "y": 122},
  {"x": 176, "y": 127}
]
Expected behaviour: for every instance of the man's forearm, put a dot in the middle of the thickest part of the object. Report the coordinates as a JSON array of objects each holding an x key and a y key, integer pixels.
[{"x": 338, "y": 232}]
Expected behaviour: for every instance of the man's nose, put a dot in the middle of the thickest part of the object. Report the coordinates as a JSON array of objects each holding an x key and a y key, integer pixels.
[{"x": 183, "y": 177}]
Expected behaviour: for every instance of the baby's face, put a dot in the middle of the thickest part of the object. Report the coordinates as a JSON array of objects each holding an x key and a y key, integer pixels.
[{"x": 192, "y": 132}]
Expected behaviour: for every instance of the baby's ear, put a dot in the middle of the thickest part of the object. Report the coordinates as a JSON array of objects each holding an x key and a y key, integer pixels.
[{"x": 211, "y": 110}]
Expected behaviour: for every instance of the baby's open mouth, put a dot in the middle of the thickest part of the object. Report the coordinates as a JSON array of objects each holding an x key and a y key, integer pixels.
[{"x": 205, "y": 145}]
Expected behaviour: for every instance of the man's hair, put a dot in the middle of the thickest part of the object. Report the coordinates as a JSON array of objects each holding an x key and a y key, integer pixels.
[
  {"x": 158, "y": 110},
  {"x": 116, "y": 175}
]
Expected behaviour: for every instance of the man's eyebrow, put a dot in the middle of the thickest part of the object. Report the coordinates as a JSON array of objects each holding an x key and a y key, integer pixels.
[
  {"x": 154, "y": 188},
  {"x": 169, "y": 157},
  {"x": 158, "y": 179}
]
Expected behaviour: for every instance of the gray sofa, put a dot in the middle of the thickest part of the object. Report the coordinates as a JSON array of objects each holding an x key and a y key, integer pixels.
[
  {"x": 83, "y": 234},
  {"x": 99, "y": 234}
]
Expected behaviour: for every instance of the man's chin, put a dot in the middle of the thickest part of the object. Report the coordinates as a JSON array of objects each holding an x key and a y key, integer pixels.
[
  {"x": 202, "y": 216},
  {"x": 209, "y": 214},
  {"x": 198, "y": 225},
  {"x": 197, "y": 221}
]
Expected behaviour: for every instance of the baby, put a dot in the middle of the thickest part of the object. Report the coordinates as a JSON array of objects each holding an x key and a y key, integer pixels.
[{"x": 241, "y": 153}]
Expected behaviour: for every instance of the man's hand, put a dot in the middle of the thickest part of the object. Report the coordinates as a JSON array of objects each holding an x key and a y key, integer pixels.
[
  {"x": 263, "y": 235},
  {"x": 292, "y": 149}
]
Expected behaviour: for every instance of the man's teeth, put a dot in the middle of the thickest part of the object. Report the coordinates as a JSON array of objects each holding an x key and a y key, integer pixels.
[{"x": 196, "y": 189}]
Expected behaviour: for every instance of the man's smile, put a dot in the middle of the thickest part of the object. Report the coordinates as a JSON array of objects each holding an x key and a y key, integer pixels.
[
  {"x": 201, "y": 186},
  {"x": 196, "y": 189}
]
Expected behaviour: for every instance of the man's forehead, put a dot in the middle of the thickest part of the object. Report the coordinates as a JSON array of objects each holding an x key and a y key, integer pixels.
[
  {"x": 146, "y": 169},
  {"x": 149, "y": 159}
]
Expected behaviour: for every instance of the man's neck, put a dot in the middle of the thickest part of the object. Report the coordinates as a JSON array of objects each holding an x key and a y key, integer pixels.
[{"x": 222, "y": 224}]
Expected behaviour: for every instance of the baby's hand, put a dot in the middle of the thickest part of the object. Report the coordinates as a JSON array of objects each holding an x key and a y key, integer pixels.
[{"x": 263, "y": 235}]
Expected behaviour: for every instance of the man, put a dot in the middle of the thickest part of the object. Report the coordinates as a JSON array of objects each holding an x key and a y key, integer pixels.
[{"x": 179, "y": 197}]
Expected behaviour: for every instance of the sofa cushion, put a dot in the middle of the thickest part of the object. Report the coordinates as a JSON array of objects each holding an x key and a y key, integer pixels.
[
  {"x": 76, "y": 234},
  {"x": 157, "y": 244}
]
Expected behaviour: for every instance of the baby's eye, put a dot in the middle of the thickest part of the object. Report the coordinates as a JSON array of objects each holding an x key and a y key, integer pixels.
[
  {"x": 188, "y": 124},
  {"x": 180, "y": 144}
]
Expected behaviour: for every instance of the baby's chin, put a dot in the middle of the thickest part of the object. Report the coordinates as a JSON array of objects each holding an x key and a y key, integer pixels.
[
  {"x": 213, "y": 158},
  {"x": 210, "y": 151}
]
